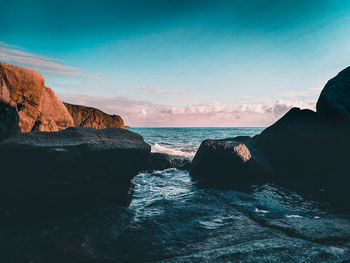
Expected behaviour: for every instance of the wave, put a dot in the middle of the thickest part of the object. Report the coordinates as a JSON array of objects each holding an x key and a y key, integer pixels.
[{"x": 162, "y": 149}]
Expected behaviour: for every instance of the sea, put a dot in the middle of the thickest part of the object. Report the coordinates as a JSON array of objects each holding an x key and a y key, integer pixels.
[{"x": 172, "y": 219}]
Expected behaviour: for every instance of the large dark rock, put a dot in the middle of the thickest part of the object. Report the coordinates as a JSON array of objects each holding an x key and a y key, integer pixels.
[
  {"x": 334, "y": 101},
  {"x": 306, "y": 151},
  {"x": 233, "y": 161},
  {"x": 8, "y": 120},
  {"x": 93, "y": 118},
  {"x": 161, "y": 161},
  {"x": 71, "y": 170}
]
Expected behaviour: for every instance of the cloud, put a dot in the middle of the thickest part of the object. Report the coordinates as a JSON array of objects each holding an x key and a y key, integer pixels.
[
  {"x": 13, "y": 54},
  {"x": 160, "y": 91},
  {"x": 302, "y": 94},
  {"x": 146, "y": 114}
]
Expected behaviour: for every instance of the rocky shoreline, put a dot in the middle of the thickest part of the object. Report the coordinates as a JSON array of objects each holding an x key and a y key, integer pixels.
[
  {"x": 305, "y": 150},
  {"x": 49, "y": 167},
  {"x": 54, "y": 176}
]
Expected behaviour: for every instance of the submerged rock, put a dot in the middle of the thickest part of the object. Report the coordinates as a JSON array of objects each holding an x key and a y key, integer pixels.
[
  {"x": 45, "y": 173},
  {"x": 93, "y": 118},
  {"x": 232, "y": 161},
  {"x": 161, "y": 161},
  {"x": 38, "y": 106}
]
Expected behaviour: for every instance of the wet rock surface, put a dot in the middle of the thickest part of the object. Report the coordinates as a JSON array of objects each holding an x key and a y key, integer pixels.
[
  {"x": 171, "y": 219},
  {"x": 162, "y": 161}
]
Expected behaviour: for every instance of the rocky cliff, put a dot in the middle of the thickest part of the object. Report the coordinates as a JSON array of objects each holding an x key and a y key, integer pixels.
[
  {"x": 93, "y": 118},
  {"x": 38, "y": 106}
]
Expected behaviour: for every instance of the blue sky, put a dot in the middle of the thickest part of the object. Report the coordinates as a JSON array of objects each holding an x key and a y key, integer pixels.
[{"x": 181, "y": 63}]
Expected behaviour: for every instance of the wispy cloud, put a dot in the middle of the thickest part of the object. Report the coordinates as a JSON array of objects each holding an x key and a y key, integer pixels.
[
  {"x": 160, "y": 91},
  {"x": 301, "y": 94},
  {"x": 15, "y": 55},
  {"x": 214, "y": 113}
]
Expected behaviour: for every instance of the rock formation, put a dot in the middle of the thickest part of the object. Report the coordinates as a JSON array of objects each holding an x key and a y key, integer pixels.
[
  {"x": 53, "y": 115},
  {"x": 45, "y": 173},
  {"x": 334, "y": 100},
  {"x": 38, "y": 106},
  {"x": 93, "y": 118},
  {"x": 231, "y": 161},
  {"x": 161, "y": 161},
  {"x": 307, "y": 150}
]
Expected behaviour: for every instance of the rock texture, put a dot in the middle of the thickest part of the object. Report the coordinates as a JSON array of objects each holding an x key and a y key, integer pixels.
[
  {"x": 8, "y": 120},
  {"x": 38, "y": 106},
  {"x": 93, "y": 118},
  {"x": 302, "y": 147},
  {"x": 78, "y": 168},
  {"x": 161, "y": 161},
  {"x": 334, "y": 100},
  {"x": 53, "y": 115},
  {"x": 235, "y": 161}
]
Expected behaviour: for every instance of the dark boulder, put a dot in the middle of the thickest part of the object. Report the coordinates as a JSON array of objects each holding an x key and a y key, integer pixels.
[
  {"x": 161, "y": 161},
  {"x": 9, "y": 120},
  {"x": 304, "y": 150},
  {"x": 334, "y": 101},
  {"x": 45, "y": 173},
  {"x": 233, "y": 161}
]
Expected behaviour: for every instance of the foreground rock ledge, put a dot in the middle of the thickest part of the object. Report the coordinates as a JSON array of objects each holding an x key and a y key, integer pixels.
[{"x": 49, "y": 173}]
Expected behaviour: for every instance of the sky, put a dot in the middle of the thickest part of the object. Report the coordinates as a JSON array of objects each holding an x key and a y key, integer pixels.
[{"x": 187, "y": 63}]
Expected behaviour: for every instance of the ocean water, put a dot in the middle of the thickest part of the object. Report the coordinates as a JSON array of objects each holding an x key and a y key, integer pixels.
[
  {"x": 171, "y": 219},
  {"x": 185, "y": 141}
]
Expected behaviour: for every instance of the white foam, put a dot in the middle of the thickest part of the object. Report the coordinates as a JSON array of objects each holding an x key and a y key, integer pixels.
[
  {"x": 293, "y": 216},
  {"x": 260, "y": 210},
  {"x": 162, "y": 149}
]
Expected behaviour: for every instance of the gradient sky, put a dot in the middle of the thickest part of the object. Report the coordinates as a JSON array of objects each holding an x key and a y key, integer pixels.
[{"x": 181, "y": 63}]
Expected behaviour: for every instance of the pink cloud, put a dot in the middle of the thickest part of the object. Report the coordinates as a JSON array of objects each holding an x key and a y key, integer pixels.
[
  {"x": 160, "y": 91},
  {"x": 147, "y": 114},
  {"x": 12, "y": 54}
]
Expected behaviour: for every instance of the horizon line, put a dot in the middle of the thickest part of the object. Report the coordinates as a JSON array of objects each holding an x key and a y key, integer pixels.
[{"x": 197, "y": 127}]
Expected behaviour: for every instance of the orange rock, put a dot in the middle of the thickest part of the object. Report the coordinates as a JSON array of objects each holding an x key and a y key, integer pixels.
[
  {"x": 38, "y": 106},
  {"x": 93, "y": 118}
]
